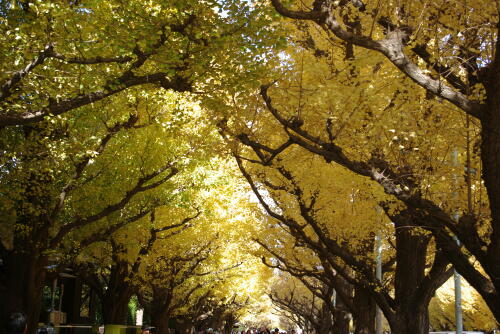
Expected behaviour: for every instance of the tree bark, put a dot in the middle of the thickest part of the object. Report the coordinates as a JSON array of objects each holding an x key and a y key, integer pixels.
[
  {"x": 490, "y": 156},
  {"x": 228, "y": 326},
  {"x": 341, "y": 324},
  {"x": 325, "y": 320},
  {"x": 117, "y": 294},
  {"x": 160, "y": 309},
  {"x": 159, "y": 320},
  {"x": 364, "y": 317},
  {"x": 411, "y": 316},
  {"x": 115, "y": 308},
  {"x": 412, "y": 321},
  {"x": 185, "y": 326},
  {"x": 25, "y": 278},
  {"x": 229, "y": 321}
]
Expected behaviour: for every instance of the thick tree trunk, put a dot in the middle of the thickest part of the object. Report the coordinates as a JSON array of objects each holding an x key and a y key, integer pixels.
[
  {"x": 411, "y": 321},
  {"x": 185, "y": 326},
  {"x": 159, "y": 319},
  {"x": 228, "y": 327},
  {"x": 325, "y": 320},
  {"x": 490, "y": 150},
  {"x": 229, "y": 322},
  {"x": 216, "y": 321},
  {"x": 25, "y": 278},
  {"x": 364, "y": 317},
  {"x": 411, "y": 316},
  {"x": 490, "y": 157},
  {"x": 118, "y": 293},
  {"x": 342, "y": 320},
  {"x": 160, "y": 309},
  {"x": 115, "y": 308}
]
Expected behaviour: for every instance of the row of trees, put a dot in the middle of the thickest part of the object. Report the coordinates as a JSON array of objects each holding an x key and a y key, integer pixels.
[
  {"x": 185, "y": 270},
  {"x": 380, "y": 121},
  {"x": 303, "y": 306},
  {"x": 105, "y": 156}
]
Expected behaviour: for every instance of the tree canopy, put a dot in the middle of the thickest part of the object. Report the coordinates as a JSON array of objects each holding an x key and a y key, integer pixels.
[{"x": 219, "y": 161}]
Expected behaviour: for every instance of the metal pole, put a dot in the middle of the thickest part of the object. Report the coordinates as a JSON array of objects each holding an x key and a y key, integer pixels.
[
  {"x": 458, "y": 302},
  {"x": 378, "y": 274}
]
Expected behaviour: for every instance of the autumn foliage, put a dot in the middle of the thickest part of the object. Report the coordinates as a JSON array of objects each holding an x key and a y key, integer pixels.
[{"x": 215, "y": 160}]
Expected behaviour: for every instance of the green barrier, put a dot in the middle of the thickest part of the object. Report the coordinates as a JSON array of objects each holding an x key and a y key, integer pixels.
[
  {"x": 122, "y": 329},
  {"x": 114, "y": 329}
]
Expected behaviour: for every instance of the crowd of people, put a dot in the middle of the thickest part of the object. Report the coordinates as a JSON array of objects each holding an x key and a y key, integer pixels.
[
  {"x": 265, "y": 331},
  {"x": 262, "y": 330},
  {"x": 16, "y": 324}
]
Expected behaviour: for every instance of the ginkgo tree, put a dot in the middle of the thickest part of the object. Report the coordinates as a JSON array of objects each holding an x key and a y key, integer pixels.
[
  {"x": 58, "y": 55},
  {"x": 294, "y": 200},
  {"x": 112, "y": 268},
  {"x": 476, "y": 315},
  {"x": 313, "y": 106},
  {"x": 295, "y": 302},
  {"x": 205, "y": 267},
  {"x": 81, "y": 82},
  {"x": 332, "y": 122},
  {"x": 347, "y": 255},
  {"x": 451, "y": 52},
  {"x": 71, "y": 183}
]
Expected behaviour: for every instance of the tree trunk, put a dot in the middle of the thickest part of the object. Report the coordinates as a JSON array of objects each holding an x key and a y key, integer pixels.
[
  {"x": 411, "y": 321},
  {"x": 325, "y": 320},
  {"x": 341, "y": 315},
  {"x": 411, "y": 316},
  {"x": 159, "y": 319},
  {"x": 160, "y": 309},
  {"x": 25, "y": 278},
  {"x": 490, "y": 157},
  {"x": 216, "y": 320},
  {"x": 228, "y": 327},
  {"x": 229, "y": 322},
  {"x": 341, "y": 324},
  {"x": 365, "y": 307},
  {"x": 114, "y": 309},
  {"x": 118, "y": 293}
]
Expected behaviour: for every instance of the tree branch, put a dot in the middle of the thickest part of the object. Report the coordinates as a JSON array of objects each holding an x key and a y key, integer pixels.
[
  {"x": 92, "y": 61},
  {"x": 80, "y": 167},
  {"x": 6, "y": 88},
  {"x": 392, "y": 47},
  {"x": 138, "y": 188},
  {"x": 176, "y": 83}
]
